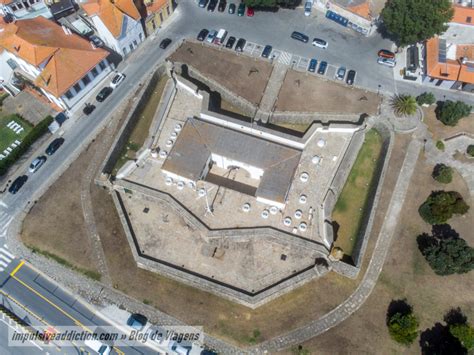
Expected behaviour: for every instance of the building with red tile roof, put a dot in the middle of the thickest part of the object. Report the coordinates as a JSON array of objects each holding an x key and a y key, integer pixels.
[
  {"x": 59, "y": 64},
  {"x": 463, "y": 15}
]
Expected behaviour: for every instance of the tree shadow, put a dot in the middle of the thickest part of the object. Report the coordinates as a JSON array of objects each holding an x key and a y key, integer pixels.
[
  {"x": 382, "y": 30},
  {"x": 455, "y": 316},
  {"x": 443, "y": 231},
  {"x": 398, "y": 306},
  {"x": 439, "y": 341},
  {"x": 424, "y": 242}
]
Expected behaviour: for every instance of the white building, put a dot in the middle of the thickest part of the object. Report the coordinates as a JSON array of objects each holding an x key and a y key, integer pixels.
[
  {"x": 118, "y": 23},
  {"x": 24, "y": 9}
]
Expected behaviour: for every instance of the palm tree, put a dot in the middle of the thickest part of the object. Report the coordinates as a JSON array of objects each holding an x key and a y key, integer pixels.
[{"x": 403, "y": 105}]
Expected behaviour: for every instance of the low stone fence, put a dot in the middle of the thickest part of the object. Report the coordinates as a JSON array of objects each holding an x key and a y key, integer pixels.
[{"x": 310, "y": 117}]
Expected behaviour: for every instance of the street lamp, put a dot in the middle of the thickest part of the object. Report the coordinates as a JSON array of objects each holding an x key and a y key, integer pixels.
[{"x": 378, "y": 90}]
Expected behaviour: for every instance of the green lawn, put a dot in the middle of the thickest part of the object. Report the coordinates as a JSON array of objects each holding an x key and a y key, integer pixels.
[
  {"x": 7, "y": 135},
  {"x": 350, "y": 206}
]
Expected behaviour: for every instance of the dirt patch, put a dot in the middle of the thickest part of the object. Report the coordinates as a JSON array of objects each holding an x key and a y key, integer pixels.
[
  {"x": 303, "y": 92},
  {"x": 441, "y": 131},
  {"x": 246, "y": 77},
  {"x": 405, "y": 275}
]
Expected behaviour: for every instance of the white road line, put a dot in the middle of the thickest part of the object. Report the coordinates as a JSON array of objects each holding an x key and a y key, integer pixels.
[
  {"x": 7, "y": 253},
  {"x": 2, "y": 263},
  {"x": 3, "y": 257},
  {"x": 3, "y": 204}
]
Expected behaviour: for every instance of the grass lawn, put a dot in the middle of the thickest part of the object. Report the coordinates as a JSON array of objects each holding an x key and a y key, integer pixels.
[
  {"x": 140, "y": 131},
  {"x": 7, "y": 135},
  {"x": 349, "y": 208}
]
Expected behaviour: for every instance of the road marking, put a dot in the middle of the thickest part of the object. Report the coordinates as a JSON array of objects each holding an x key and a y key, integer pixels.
[
  {"x": 3, "y": 204},
  {"x": 7, "y": 253},
  {"x": 12, "y": 274}
]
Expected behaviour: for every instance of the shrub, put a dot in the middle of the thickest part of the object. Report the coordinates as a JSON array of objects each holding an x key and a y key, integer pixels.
[
  {"x": 37, "y": 131},
  {"x": 470, "y": 150},
  {"x": 440, "y": 145},
  {"x": 426, "y": 98},
  {"x": 464, "y": 333},
  {"x": 403, "y": 328},
  {"x": 441, "y": 206},
  {"x": 446, "y": 255},
  {"x": 403, "y": 105},
  {"x": 450, "y": 112},
  {"x": 442, "y": 173}
]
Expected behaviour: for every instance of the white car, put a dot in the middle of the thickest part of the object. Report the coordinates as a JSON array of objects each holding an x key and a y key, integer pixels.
[
  {"x": 386, "y": 61},
  {"x": 98, "y": 347},
  {"x": 320, "y": 43},
  {"x": 36, "y": 164},
  {"x": 308, "y": 6},
  {"x": 117, "y": 80}
]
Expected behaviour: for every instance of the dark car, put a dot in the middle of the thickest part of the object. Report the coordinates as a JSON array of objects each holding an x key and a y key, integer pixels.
[
  {"x": 202, "y": 35},
  {"x": 104, "y": 93},
  {"x": 212, "y": 5},
  {"x": 231, "y": 9},
  {"x": 137, "y": 321},
  {"x": 165, "y": 43},
  {"x": 313, "y": 63},
  {"x": 222, "y": 5},
  {"x": 88, "y": 109},
  {"x": 239, "y": 47},
  {"x": 266, "y": 51},
  {"x": 202, "y": 3},
  {"x": 54, "y": 146},
  {"x": 97, "y": 41},
  {"x": 322, "y": 68},
  {"x": 300, "y": 37},
  {"x": 351, "y": 74},
  {"x": 241, "y": 9},
  {"x": 230, "y": 42},
  {"x": 17, "y": 184}
]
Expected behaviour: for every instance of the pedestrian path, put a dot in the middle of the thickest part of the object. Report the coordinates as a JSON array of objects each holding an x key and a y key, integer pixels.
[
  {"x": 271, "y": 91},
  {"x": 5, "y": 220},
  {"x": 285, "y": 58},
  {"x": 5, "y": 258}
]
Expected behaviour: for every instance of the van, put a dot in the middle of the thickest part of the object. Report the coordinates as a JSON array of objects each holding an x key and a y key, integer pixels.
[
  {"x": 98, "y": 347},
  {"x": 220, "y": 37}
]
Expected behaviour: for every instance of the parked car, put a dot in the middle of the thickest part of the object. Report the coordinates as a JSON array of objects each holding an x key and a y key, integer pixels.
[
  {"x": 230, "y": 42},
  {"x": 98, "y": 347},
  {"x": 54, "y": 146},
  {"x": 104, "y": 93},
  {"x": 117, "y": 80},
  {"x": 239, "y": 47},
  {"x": 241, "y": 9},
  {"x": 17, "y": 184},
  {"x": 220, "y": 37},
  {"x": 88, "y": 109},
  {"x": 250, "y": 12},
  {"x": 165, "y": 43},
  {"x": 137, "y": 321},
  {"x": 231, "y": 9},
  {"x": 313, "y": 63},
  {"x": 212, "y": 5},
  {"x": 96, "y": 41},
  {"x": 222, "y": 5},
  {"x": 351, "y": 75},
  {"x": 178, "y": 348},
  {"x": 37, "y": 163},
  {"x": 211, "y": 35},
  {"x": 385, "y": 53},
  {"x": 386, "y": 61},
  {"x": 300, "y": 37},
  {"x": 203, "y": 3},
  {"x": 308, "y": 6},
  {"x": 322, "y": 68},
  {"x": 320, "y": 43},
  {"x": 266, "y": 51},
  {"x": 341, "y": 73},
  {"x": 202, "y": 35}
]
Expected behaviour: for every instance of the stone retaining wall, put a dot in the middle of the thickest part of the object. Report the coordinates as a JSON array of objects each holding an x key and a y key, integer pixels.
[{"x": 310, "y": 117}]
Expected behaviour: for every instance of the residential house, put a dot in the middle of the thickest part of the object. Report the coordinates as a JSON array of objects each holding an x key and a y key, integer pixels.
[
  {"x": 463, "y": 13},
  {"x": 157, "y": 11},
  {"x": 118, "y": 23},
  {"x": 24, "y": 9},
  {"x": 53, "y": 62}
]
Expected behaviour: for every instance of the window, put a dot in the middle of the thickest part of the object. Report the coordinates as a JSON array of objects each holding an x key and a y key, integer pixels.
[
  {"x": 19, "y": 5},
  {"x": 131, "y": 47},
  {"x": 161, "y": 17},
  {"x": 69, "y": 94},
  {"x": 153, "y": 24},
  {"x": 77, "y": 87},
  {"x": 469, "y": 19},
  {"x": 102, "y": 65},
  {"x": 124, "y": 50},
  {"x": 94, "y": 72},
  {"x": 135, "y": 43},
  {"x": 168, "y": 10},
  {"x": 86, "y": 80},
  {"x": 141, "y": 37}
]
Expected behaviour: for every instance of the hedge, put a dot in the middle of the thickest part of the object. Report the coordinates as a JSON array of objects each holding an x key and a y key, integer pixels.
[{"x": 35, "y": 133}]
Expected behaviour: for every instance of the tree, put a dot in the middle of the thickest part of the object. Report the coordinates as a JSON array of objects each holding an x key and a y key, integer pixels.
[
  {"x": 403, "y": 328},
  {"x": 470, "y": 150},
  {"x": 464, "y": 333},
  {"x": 441, "y": 206},
  {"x": 450, "y": 112},
  {"x": 446, "y": 253},
  {"x": 411, "y": 21},
  {"x": 403, "y": 105},
  {"x": 426, "y": 98},
  {"x": 442, "y": 173}
]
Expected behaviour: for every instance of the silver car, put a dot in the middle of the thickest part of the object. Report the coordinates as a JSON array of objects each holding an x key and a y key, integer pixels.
[
  {"x": 341, "y": 73},
  {"x": 210, "y": 37},
  {"x": 37, "y": 163}
]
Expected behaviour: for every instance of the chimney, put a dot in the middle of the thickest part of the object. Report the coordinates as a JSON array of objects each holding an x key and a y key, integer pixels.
[{"x": 66, "y": 30}]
